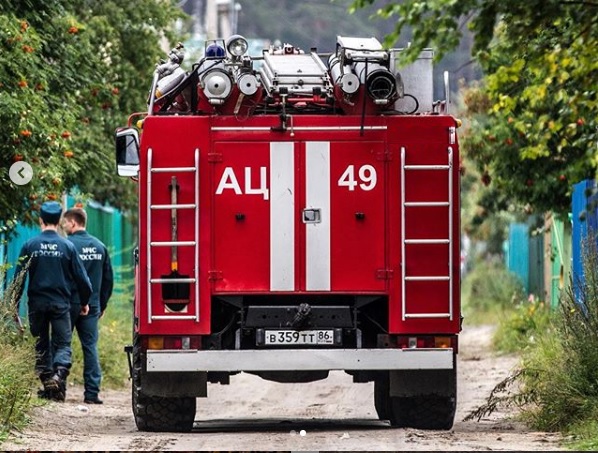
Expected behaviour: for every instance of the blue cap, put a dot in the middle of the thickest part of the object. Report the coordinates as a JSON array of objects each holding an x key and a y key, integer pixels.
[{"x": 50, "y": 212}]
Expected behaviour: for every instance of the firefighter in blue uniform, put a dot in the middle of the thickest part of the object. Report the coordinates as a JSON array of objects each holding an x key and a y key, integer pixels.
[
  {"x": 53, "y": 268},
  {"x": 96, "y": 260}
]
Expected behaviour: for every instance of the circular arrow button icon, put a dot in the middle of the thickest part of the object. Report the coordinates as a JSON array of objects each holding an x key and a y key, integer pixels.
[{"x": 20, "y": 173}]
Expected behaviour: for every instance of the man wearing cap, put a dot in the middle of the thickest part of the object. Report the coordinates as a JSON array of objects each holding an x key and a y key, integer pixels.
[
  {"x": 96, "y": 261},
  {"x": 53, "y": 266}
]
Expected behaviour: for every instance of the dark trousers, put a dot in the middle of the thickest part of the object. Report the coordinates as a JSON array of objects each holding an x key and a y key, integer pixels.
[
  {"x": 87, "y": 330},
  {"x": 50, "y": 325}
]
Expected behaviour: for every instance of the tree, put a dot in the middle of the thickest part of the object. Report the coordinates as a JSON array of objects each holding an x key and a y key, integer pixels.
[
  {"x": 531, "y": 123},
  {"x": 70, "y": 72},
  {"x": 538, "y": 134}
]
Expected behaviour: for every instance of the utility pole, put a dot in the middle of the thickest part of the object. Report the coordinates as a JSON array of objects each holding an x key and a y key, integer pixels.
[
  {"x": 199, "y": 28},
  {"x": 211, "y": 19},
  {"x": 221, "y": 18},
  {"x": 225, "y": 17}
]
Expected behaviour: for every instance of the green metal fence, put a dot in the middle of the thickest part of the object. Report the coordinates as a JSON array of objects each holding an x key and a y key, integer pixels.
[
  {"x": 560, "y": 254},
  {"x": 114, "y": 228}
]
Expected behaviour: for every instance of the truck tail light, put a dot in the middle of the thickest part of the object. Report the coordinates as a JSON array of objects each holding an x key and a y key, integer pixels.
[
  {"x": 426, "y": 341},
  {"x": 155, "y": 343},
  {"x": 174, "y": 342},
  {"x": 442, "y": 342}
]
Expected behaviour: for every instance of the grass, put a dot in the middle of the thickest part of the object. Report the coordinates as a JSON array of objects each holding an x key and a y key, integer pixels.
[
  {"x": 561, "y": 374},
  {"x": 18, "y": 382},
  {"x": 521, "y": 325},
  {"x": 17, "y": 359},
  {"x": 584, "y": 435},
  {"x": 488, "y": 291},
  {"x": 556, "y": 385}
]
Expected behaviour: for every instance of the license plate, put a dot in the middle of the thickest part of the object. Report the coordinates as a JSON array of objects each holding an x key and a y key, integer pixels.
[{"x": 299, "y": 337}]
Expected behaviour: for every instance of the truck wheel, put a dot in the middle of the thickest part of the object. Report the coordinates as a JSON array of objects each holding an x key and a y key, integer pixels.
[
  {"x": 423, "y": 412},
  {"x": 156, "y": 413},
  {"x": 381, "y": 398}
]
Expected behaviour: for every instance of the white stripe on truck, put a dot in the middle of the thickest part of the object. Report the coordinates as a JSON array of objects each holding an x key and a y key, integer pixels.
[
  {"x": 317, "y": 187},
  {"x": 282, "y": 216}
]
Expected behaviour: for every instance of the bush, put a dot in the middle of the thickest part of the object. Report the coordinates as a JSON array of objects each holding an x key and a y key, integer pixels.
[
  {"x": 522, "y": 326},
  {"x": 488, "y": 289},
  {"x": 17, "y": 362},
  {"x": 558, "y": 376},
  {"x": 569, "y": 390},
  {"x": 568, "y": 397},
  {"x": 18, "y": 380}
]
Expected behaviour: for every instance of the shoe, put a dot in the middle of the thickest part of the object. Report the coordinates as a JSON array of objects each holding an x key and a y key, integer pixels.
[
  {"x": 58, "y": 395},
  {"x": 58, "y": 380},
  {"x": 55, "y": 387},
  {"x": 95, "y": 400},
  {"x": 52, "y": 394},
  {"x": 52, "y": 384},
  {"x": 44, "y": 394}
]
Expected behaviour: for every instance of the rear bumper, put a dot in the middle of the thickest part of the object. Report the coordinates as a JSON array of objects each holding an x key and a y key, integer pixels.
[{"x": 300, "y": 359}]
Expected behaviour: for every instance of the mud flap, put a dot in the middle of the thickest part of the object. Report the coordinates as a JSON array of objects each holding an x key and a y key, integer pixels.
[
  {"x": 408, "y": 383},
  {"x": 129, "y": 351},
  {"x": 173, "y": 384}
]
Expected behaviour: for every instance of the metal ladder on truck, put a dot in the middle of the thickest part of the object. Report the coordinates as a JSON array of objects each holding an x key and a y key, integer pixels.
[
  {"x": 194, "y": 280},
  {"x": 443, "y": 241}
]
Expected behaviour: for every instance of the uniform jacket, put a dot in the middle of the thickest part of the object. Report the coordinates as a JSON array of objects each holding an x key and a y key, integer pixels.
[
  {"x": 54, "y": 269},
  {"x": 95, "y": 258}
]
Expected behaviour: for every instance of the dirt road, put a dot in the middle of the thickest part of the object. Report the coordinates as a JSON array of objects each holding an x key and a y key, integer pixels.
[{"x": 252, "y": 414}]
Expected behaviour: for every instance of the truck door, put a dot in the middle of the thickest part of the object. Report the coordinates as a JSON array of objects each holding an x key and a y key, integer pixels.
[
  {"x": 241, "y": 216},
  {"x": 357, "y": 230}
]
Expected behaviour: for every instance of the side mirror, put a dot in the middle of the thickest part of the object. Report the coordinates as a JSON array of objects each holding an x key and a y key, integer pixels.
[{"x": 127, "y": 151}]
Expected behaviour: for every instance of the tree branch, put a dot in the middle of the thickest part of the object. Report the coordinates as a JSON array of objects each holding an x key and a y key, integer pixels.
[{"x": 579, "y": 2}]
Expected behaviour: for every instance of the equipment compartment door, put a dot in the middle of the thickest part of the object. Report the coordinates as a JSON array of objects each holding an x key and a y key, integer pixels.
[
  {"x": 241, "y": 216},
  {"x": 345, "y": 186}
]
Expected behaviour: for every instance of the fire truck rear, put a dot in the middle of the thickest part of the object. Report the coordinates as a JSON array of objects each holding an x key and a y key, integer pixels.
[{"x": 298, "y": 214}]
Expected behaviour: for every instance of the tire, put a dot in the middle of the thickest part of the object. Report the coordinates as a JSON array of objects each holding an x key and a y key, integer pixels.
[
  {"x": 156, "y": 413},
  {"x": 424, "y": 412},
  {"x": 382, "y": 401}
]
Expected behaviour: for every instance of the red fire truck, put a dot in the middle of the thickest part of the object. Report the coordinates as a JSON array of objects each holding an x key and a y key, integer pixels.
[{"x": 298, "y": 213}]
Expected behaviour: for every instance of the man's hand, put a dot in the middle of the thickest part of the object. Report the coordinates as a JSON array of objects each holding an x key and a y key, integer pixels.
[{"x": 84, "y": 310}]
